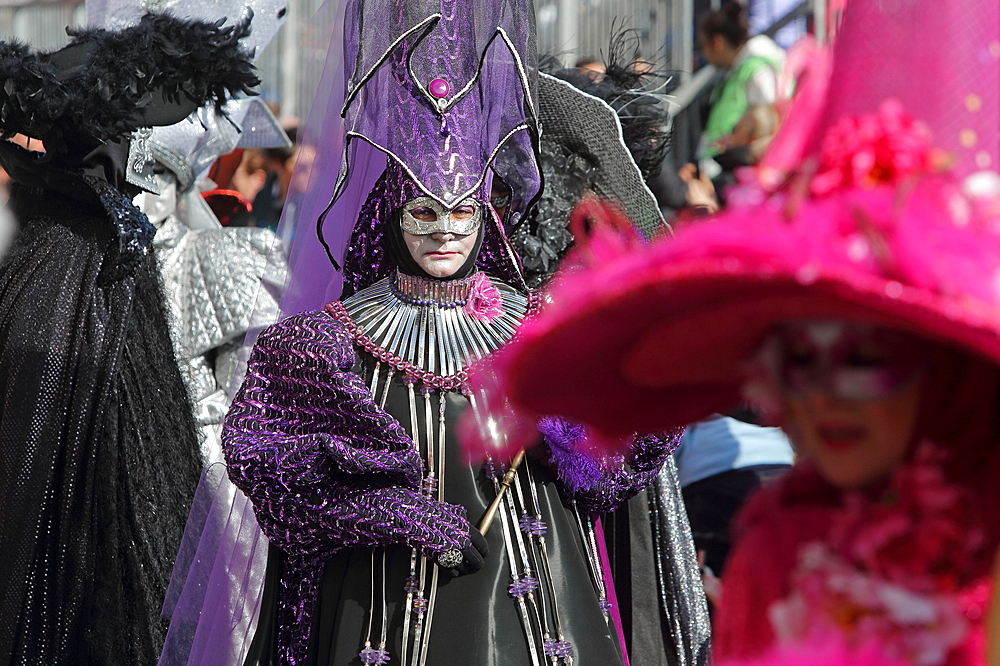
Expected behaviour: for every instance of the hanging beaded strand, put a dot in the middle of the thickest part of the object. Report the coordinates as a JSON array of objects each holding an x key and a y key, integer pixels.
[
  {"x": 518, "y": 587},
  {"x": 522, "y": 588},
  {"x": 432, "y": 487},
  {"x": 529, "y": 582},
  {"x": 374, "y": 384},
  {"x": 429, "y": 489},
  {"x": 596, "y": 571},
  {"x": 556, "y": 648},
  {"x": 431, "y": 478},
  {"x": 380, "y": 655},
  {"x": 441, "y": 461},
  {"x": 414, "y": 584},
  {"x": 533, "y": 528},
  {"x": 366, "y": 651},
  {"x": 383, "y": 639},
  {"x": 375, "y": 656},
  {"x": 411, "y": 588},
  {"x": 385, "y": 389}
]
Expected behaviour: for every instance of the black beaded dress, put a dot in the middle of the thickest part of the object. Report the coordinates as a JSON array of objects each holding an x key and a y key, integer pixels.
[{"x": 98, "y": 449}]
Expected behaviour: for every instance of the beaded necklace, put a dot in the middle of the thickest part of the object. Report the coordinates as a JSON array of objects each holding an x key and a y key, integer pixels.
[{"x": 419, "y": 326}]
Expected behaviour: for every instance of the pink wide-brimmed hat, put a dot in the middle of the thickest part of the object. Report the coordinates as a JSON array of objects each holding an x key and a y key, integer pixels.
[{"x": 878, "y": 202}]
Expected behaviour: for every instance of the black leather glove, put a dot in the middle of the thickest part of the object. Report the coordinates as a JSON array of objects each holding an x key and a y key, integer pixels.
[{"x": 468, "y": 560}]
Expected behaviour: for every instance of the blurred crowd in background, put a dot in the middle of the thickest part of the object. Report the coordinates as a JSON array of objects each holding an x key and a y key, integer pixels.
[{"x": 722, "y": 127}]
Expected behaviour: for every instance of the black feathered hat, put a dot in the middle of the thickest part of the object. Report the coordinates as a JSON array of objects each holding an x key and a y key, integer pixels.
[
  {"x": 603, "y": 133},
  {"x": 106, "y": 84}
]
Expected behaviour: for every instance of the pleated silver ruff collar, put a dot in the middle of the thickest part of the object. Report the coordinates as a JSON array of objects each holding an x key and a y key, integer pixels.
[{"x": 422, "y": 327}]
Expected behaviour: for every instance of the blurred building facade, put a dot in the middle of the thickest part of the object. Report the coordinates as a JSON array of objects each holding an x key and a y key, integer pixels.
[{"x": 292, "y": 63}]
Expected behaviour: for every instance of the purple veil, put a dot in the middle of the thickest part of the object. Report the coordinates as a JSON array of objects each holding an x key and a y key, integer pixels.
[{"x": 381, "y": 116}]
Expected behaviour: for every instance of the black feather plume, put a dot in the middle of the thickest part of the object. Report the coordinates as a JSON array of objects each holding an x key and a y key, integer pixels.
[{"x": 105, "y": 84}]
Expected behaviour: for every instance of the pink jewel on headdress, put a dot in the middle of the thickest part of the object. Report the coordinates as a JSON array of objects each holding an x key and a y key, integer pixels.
[
  {"x": 439, "y": 88},
  {"x": 484, "y": 301}
]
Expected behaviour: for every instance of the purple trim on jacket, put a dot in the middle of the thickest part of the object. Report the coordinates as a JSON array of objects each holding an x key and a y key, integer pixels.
[
  {"x": 324, "y": 466},
  {"x": 601, "y": 486}
]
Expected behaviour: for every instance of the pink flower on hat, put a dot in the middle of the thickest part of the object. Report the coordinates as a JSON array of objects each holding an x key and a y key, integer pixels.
[{"x": 873, "y": 149}]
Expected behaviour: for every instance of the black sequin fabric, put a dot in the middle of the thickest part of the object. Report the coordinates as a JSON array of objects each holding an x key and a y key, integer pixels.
[
  {"x": 99, "y": 449},
  {"x": 134, "y": 240}
]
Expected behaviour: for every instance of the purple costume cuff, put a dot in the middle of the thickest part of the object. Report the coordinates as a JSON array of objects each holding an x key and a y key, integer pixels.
[
  {"x": 324, "y": 466},
  {"x": 600, "y": 485}
]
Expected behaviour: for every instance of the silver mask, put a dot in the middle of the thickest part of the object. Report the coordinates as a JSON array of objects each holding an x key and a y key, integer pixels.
[{"x": 441, "y": 220}]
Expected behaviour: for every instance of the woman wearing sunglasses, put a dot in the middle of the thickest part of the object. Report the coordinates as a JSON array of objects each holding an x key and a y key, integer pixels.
[{"x": 854, "y": 296}]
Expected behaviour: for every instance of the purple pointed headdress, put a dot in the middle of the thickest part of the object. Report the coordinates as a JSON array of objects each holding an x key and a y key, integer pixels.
[
  {"x": 436, "y": 95},
  {"x": 445, "y": 88}
]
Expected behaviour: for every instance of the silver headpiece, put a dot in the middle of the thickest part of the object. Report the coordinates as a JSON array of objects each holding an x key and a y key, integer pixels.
[
  {"x": 189, "y": 148},
  {"x": 139, "y": 167}
]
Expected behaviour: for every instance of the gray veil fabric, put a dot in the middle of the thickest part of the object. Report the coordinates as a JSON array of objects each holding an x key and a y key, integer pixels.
[
  {"x": 682, "y": 596},
  {"x": 582, "y": 150}
]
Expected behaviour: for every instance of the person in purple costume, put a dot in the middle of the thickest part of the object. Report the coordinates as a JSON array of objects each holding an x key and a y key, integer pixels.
[{"x": 343, "y": 433}]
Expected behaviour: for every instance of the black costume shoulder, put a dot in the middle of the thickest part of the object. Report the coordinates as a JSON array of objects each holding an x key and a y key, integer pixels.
[{"x": 99, "y": 449}]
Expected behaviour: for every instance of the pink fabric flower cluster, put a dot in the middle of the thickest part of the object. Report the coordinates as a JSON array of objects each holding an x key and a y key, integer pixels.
[
  {"x": 873, "y": 149},
  {"x": 893, "y": 574},
  {"x": 485, "y": 302},
  {"x": 833, "y": 601}
]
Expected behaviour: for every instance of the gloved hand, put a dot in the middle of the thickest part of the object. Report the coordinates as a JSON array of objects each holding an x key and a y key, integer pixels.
[{"x": 468, "y": 560}]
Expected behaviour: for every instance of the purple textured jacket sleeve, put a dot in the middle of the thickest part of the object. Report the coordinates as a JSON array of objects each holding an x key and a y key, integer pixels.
[
  {"x": 324, "y": 466},
  {"x": 600, "y": 485}
]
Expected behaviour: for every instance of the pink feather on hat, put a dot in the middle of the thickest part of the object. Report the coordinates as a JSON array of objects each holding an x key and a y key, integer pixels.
[{"x": 878, "y": 205}]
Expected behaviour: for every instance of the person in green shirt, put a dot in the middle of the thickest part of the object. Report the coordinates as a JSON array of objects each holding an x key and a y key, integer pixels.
[{"x": 751, "y": 68}]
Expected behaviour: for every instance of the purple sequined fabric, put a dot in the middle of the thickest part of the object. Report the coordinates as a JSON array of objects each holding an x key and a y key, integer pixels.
[
  {"x": 601, "y": 485},
  {"x": 324, "y": 466}
]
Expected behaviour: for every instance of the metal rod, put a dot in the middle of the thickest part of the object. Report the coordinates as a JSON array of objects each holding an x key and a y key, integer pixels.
[{"x": 491, "y": 511}]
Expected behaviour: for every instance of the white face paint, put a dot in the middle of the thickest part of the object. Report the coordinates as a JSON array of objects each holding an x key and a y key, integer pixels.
[
  {"x": 158, "y": 207},
  {"x": 440, "y": 254}
]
